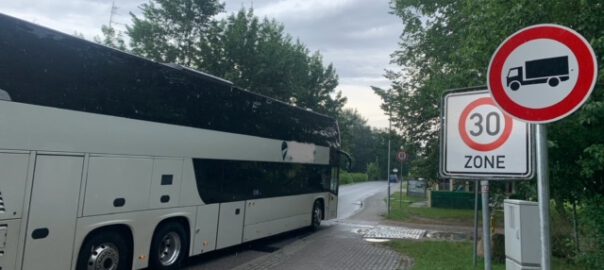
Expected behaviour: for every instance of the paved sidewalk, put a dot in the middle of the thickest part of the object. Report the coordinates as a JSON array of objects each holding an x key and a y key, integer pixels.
[
  {"x": 340, "y": 245},
  {"x": 332, "y": 248}
]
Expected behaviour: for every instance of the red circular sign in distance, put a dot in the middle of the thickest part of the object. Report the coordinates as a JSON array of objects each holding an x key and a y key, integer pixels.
[
  {"x": 401, "y": 156},
  {"x": 578, "y": 95},
  {"x": 505, "y": 135}
]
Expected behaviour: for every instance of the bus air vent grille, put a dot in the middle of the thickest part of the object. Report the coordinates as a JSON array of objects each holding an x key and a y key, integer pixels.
[{"x": 2, "y": 209}]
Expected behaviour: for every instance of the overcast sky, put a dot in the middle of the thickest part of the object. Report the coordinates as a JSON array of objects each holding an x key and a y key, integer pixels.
[{"x": 357, "y": 36}]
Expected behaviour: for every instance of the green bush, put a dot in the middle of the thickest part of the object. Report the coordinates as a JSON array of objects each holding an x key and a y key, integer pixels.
[
  {"x": 373, "y": 171},
  {"x": 345, "y": 178},
  {"x": 359, "y": 177},
  {"x": 592, "y": 246},
  {"x": 349, "y": 178}
]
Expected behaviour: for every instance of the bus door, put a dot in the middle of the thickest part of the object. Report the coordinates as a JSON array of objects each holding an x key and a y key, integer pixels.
[
  {"x": 333, "y": 194},
  {"x": 53, "y": 212}
]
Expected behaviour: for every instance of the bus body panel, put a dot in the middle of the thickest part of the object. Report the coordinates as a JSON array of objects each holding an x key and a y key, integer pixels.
[
  {"x": 331, "y": 207},
  {"x": 206, "y": 229},
  {"x": 270, "y": 216},
  {"x": 13, "y": 178},
  {"x": 117, "y": 184},
  {"x": 52, "y": 219},
  {"x": 165, "y": 183},
  {"x": 230, "y": 224},
  {"x": 104, "y": 134}
]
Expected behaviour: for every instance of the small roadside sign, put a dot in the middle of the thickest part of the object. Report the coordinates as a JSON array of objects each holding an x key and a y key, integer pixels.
[
  {"x": 401, "y": 156},
  {"x": 542, "y": 73},
  {"x": 481, "y": 141}
]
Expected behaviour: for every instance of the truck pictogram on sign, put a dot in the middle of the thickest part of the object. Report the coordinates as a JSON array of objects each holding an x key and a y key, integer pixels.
[{"x": 548, "y": 70}]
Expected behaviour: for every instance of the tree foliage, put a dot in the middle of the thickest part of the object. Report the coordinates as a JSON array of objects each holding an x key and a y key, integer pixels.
[
  {"x": 169, "y": 30},
  {"x": 357, "y": 139},
  {"x": 447, "y": 44},
  {"x": 257, "y": 55},
  {"x": 111, "y": 38}
]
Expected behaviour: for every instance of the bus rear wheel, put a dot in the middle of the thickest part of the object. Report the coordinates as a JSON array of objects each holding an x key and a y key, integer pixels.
[
  {"x": 317, "y": 215},
  {"x": 104, "y": 251},
  {"x": 169, "y": 247}
]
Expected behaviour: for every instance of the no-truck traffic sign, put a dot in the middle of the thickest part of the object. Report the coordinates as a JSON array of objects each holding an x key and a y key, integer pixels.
[
  {"x": 481, "y": 141},
  {"x": 542, "y": 73}
]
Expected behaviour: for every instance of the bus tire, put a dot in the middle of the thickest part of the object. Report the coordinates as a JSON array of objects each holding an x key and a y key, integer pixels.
[
  {"x": 105, "y": 250},
  {"x": 169, "y": 247},
  {"x": 317, "y": 215}
]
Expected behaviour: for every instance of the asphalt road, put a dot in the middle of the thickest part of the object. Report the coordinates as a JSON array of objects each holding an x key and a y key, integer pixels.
[
  {"x": 349, "y": 204},
  {"x": 350, "y": 197}
]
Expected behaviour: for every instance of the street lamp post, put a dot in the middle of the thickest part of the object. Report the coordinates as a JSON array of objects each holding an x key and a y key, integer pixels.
[{"x": 388, "y": 158}]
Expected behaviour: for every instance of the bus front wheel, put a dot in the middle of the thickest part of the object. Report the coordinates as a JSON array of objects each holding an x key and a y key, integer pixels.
[
  {"x": 104, "y": 251},
  {"x": 169, "y": 247},
  {"x": 317, "y": 215}
]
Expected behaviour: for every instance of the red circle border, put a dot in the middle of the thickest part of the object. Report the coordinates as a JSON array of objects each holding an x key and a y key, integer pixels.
[
  {"x": 581, "y": 91},
  {"x": 507, "y": 131}
]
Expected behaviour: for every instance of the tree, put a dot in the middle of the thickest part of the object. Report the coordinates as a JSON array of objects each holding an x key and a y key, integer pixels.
[
  {"x": 257, "y": 55},
  {"x": 111, "y": 38},
  {"x": 448, "y": 44},
  {"x": 170, "y": 30},
  {"x": 357, "y": 139}
]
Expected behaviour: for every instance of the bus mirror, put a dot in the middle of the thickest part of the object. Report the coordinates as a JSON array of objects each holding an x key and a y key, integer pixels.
[{"x": 345, "y": 160}]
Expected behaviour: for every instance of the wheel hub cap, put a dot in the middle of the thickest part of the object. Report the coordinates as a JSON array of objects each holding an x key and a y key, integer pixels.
[
  {"x": 169, "y": 249},
  {"x": 104, "y": 257}
]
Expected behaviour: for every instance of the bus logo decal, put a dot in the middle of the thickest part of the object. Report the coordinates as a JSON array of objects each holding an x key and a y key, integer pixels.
[{"x": 284, "y": 150}]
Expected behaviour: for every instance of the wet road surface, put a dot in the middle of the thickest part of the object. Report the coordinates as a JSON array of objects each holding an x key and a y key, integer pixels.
[{"x": 337, "y": 245}]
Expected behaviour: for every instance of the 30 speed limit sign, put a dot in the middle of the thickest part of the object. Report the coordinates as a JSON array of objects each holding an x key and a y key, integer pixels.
[{"x": 479, "y": 140}]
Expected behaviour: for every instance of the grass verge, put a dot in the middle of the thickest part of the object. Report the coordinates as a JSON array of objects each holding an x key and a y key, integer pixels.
[
  {"x": 403, "y": 212},
  {"x": 440, "y": 255},
  {"x": 444, "y": 255}
]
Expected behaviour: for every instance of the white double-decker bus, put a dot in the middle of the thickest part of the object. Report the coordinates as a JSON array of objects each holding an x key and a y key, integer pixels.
[{"x": 111, "y": 161}]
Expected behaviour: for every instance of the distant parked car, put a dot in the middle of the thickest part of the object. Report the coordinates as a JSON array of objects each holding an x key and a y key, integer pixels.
[{"x": 393, "y": 178}]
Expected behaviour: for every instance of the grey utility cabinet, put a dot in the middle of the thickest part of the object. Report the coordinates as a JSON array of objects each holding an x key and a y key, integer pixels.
[{"x": 522, "y": 243}]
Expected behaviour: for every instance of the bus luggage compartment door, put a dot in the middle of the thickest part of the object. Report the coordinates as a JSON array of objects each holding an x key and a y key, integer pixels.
[
  {"x": 13, "y": 179},
  {"x": 53, "y": 212},
  {"x": 230, "y": 224}
]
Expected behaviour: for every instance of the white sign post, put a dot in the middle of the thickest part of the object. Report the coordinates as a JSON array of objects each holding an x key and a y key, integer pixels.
[{"x": 541, "y": 74}]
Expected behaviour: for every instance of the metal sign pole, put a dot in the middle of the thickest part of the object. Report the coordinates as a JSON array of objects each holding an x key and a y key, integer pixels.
[
  {"x": 543, "y": 190},
  {"x": 400, "y": 196},
  {"x": 388, "y": 174},
  {"x": 474, "y": 249},
  {"x": 486, "y": 232}
]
